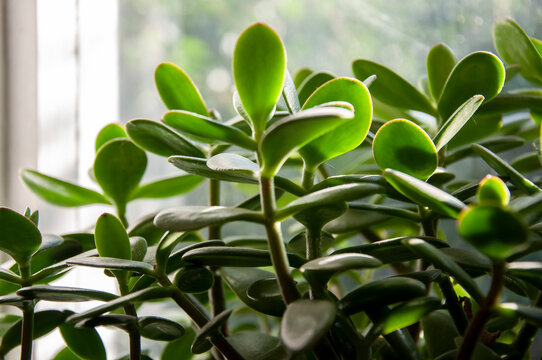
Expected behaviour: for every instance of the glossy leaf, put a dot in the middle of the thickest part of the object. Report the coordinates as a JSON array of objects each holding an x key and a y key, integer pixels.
[
  {"x": 402, "y": 145},
  {"x": 207, "y": 128},
  {"x": 495, "y": 144},
  {"x": 85, "y": 343},
  {"x": 63, "y": 293},
  {"x": 311, "y": 83},
  {"x": 138, "y": 247},
  {"x": 424, "y": 194},
  {"x": 165, "y": 247},
  {"x": 235, "y": 256},
  {"x": 479, "y": 73},
  {"x": 348, "y": 135},
  {"x": 295, "y": 131},
  {"x": 114, "y": 264},
  {"x": 504, "y": 169},
  {"x": 160, "y": 329},
  {"x": 324, "y": 267},
  {"x": 289, "y": 93},
  {"x": 493, "y": 230},
  {"x": 194, "y": 279},
  {"x": 443, "y": 262},
  {"x": 439, "y": 332},
  {"x": 513, "y": 101},
  {"x": 19, "y": 237},
  {"x": 440, "y": 62},
  {"x": 233, "y": 162},
  {"x": 492, "y": 190},
  {"x": 167, "y": 187},
  {"x": 300, "y": 75},
  {"x": 158, "y": 139},
  {"x": 387, "y": 210},
  {"x": 196, "y": 217},
  {"x": 118, "y": 169},
  {"x": 257, "y": 346},
  {"x": 199, "y": 167},
  {"x": 145, "y": 228},
  {"x": 180, "y": 349},
  {"x": 259, "y": 65},
  {"x": 305, "y": 322},
  {"x": 458, "y": 119},
  {"x": 316, "y": 217},
  {"x": 59, "y": 192},
  {"x": 111, "y": 238},
  {"x": 109, "y": 132},
  {"x": 381, "y": 292},
  {"x": 410, "y": 313},
  {"x": 515, "y": 47},
  {"x": 201, "y": 342},
  {"x": 177, "y": 90},
  {"x": 391, "y": 88}
]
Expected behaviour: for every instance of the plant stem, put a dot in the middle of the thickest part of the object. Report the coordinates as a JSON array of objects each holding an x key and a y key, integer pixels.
[
  {"x": 477, "y": 325},
  {"x": 121, "y": 213},
  {"x": 525, "y": 336},
  {"x": 452, "y": 302},
  {"x": 133, "y": 332},
  {"x": 276, "y": 244},
  {"x": 307, "y": 179},
  {"x": 27, "y": 330},
  {"x": 313, "y": 243}
]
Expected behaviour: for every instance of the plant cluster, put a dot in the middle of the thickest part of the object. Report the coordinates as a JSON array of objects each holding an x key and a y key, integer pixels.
[{"x": 310, "y": 292}]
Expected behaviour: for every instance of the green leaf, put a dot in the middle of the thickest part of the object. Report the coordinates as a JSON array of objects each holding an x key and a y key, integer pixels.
[
  {"x": 509, "y": 102},
  {"x": 458, "y": 119},
  {"x": 19, "y": 237},
  {"x": 177, "y": 90},
  {"x": 259, "y": 65},
  {"x": 199, "y": 167},
  {"x": 496, "y": 144},
  {"x": 180, "y": 349},
  {"x": 113, "y": 264},
  {"x": 444, "y": 263},
  {"x": 295, "y": 131},
  {"x": 515, "y": 47},
  {"x": 409, "y": 313},
  {"x": 196, "y": 217},
  {"x": 44, "y": 322},
  {"x": 381, "y": 292},
  {"x": 440, "y": 62},
  {"x": 532, "y": 314},
  {"x": 59, "y": 192},
  {"x": 233, "y": 162},
  {"x": 138, "y": 247},
  {"x": 300, "y": 75},
  {"x": 66, "y": 354},
  {"x": 257, "y": 346},
  {"x": 194, "y": 279},
  {"x": 108, "y": 133},
  {"x": 63, "y": 293},
  {"x": 505, "y": 170},
  {"x": 85, "y": 343},
  {"x": 424, "y": 194},
  {"x": 479, "y": 128},
  {"x": 118, "y": 169},
  {"x": 158, "y": 139},
  {"x": 479, "y": 73},
  {"x": 325, "y": 267},
  {"x": 526, "y": 163},
  {"x": 305, "y": 322},
  {"x": 402, "y": 145},
  {"x": 207, "y": 128},
  {"x": 439, "y": 332},
  {"x": 391, "y": 88},
  {"x": 312, "y": 82},
  {"x": 235, "y": 256},
  {"x": 289, "y": 93},
  {"x": 9, "y": 276},
  {"x": 492, "y": 190},
  {"x": 111, "y": 238},
  {"x": 160, "y": 329},
  {"x": 240, "y": 280},
  {"x": 316, "y": 217},
  {"x": 165, "y": 247},
  {"x": 169, "y": 187},
  {"x": 348, "y": 135},
  {"x": 145, "y": 228},
  {"x": 494, "y": 231},
  {"x": 387, "y": 210},
  {"x": 327, "y": 196}
]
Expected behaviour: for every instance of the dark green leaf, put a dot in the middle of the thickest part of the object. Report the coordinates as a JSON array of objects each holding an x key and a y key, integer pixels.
[
  {"x": 440, "y": 62},
  {"x": 479, "y": 128},
  {"x": 63, "y": 293},
  {"x": 233, "y": 162},
  {"x": 9, "y": 276},
  {"x": 532, "y": 314},
  {"x": 199, "y": 167},
  {"x": 324, "y": 267},
  {"x": 496, "y": 144},
  {"x": 201, "y": 342},
  {"x": 305, "y": 322},
  {"x": 177, "y": 90},
  {"x": 19, "y": 237},
  {"x": 85, "y": 343},
  {"x": 410, "y": 313},
  {"x": 527, "y": 163},
  {"x": 167, "y": 187},
  {"x": 469, "y": 260},
  {"x": 259, "y": 65},
  {"x": 145, "y": 228},
  {"x": 289, "y": 94},
  {"x": 59, "y": 192},
  {"x": 387, "y": 210},
  {"x": 492, "y": 190},
  {"x": 66, "y": 354},
  {"x": 111, "y": 238},
  {"x": 391, "y": 88},
  {"x": 138, "y": 248},
  {"x": 257, "y": 346},
  {"x": 312, "y": 82},
  {"x": 180, "y": 349},
  {"x": 316, "y": 217},
  {"x": 509, "y": 102},
  {"x": 158, "y": 139},
  {"x": 194, "y": 279},
  {"x": 235, "y": 256},
  {"x": 439, "y": 332},
  {"x": 166, "y": 246},
  {"x": 160, "y": 329},
  {"x": 109, "y": 132},
  {"x": 113, "y": 264},
  {"x": 300, "y": 75}
]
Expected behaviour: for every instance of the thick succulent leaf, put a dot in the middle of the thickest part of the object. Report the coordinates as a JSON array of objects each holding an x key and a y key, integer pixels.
[
  {"x": 381, "y": 292},
  {"x": 196, "y": 217},
  {"x": 293, "y": 132},
  {"x": 387, "y": 210},
  {"x": 259, "y": 65},
  {"x": 510, "y": 102},
  {"x": 109, "y": 132},
  {"x": 44, "y": 322},
  {"x": 440, "y": 62},
  {"x": 532, "y": 314},
  {"x": 443, "y": 262},
  {"x": 194, "y": 279},
  {"x": 300, "y": 75},
  {"x": 317, "y": 217},
  {"x": 526, "y": 163},
  {"x": 160, "y": 329},
  {"x": 113, "y": 264},
  {"x": 85, "y": 343},
  {"x": 327, "y": 196},
  {"x": 207, "y": 128},
  {"x": 235, "y": 256},
  {"x": 424, "y": 194},
  {"x": 9, "y": 276},
  {"x": 145, "y": 228},
  {"x": 516, "y": 48},
  {"x": 19, "y": 238},
  {"x": 165, "y": 247},
  {"x": 348, "y": 135},
  {"x": 410, "y": 313},
  {"x": 177, "y": 89},
  {"x": 66, "y": 354},
  {"x": 479, "y": 73},
  {"x": 201, "y": 342},
  {"x": 198, "y": 166},
  {"x": 158, "y": 139},
  {"x": 180, "y": 349},
  {"x": 233, "y": 162},
  {"x": 479, "y": 128},
  {"x": 305, "y": 322},
  {"x": 111, "y": 238},
  {"x": 458, "y": 119},
  {"x": 391, "y": 88},
  {"x": 324, "y": 267},
  {"x": 59, "y": 192},
  {"x": 495, "y": 144},
  {"x": 311, "y": 83},
  {"x": 123, "y": 322},
  {"x": 54, "y": 249},
  {"x": 240, "y": 280},
  {"x": 505, "y": 170},
  {"x": 257, "y": 346},
  {"x": 289, "y": 93},
  {"x": 469, "y": 260},
  {"x": 167, "y": 187},
  {"x": 63, "y": 293},
  {"x": 118, "y": 169},
  {"x": 439, "y": 332},
  {"x": 402, "y": 145},
  {"x": 492, "y": 190}
]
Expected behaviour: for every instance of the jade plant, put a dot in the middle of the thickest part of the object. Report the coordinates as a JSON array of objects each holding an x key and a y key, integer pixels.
[{"x": 378, "y": 243}]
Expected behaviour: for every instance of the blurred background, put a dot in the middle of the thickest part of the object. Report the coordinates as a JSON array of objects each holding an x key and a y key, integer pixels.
[{"x": 68, "y": 67}]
